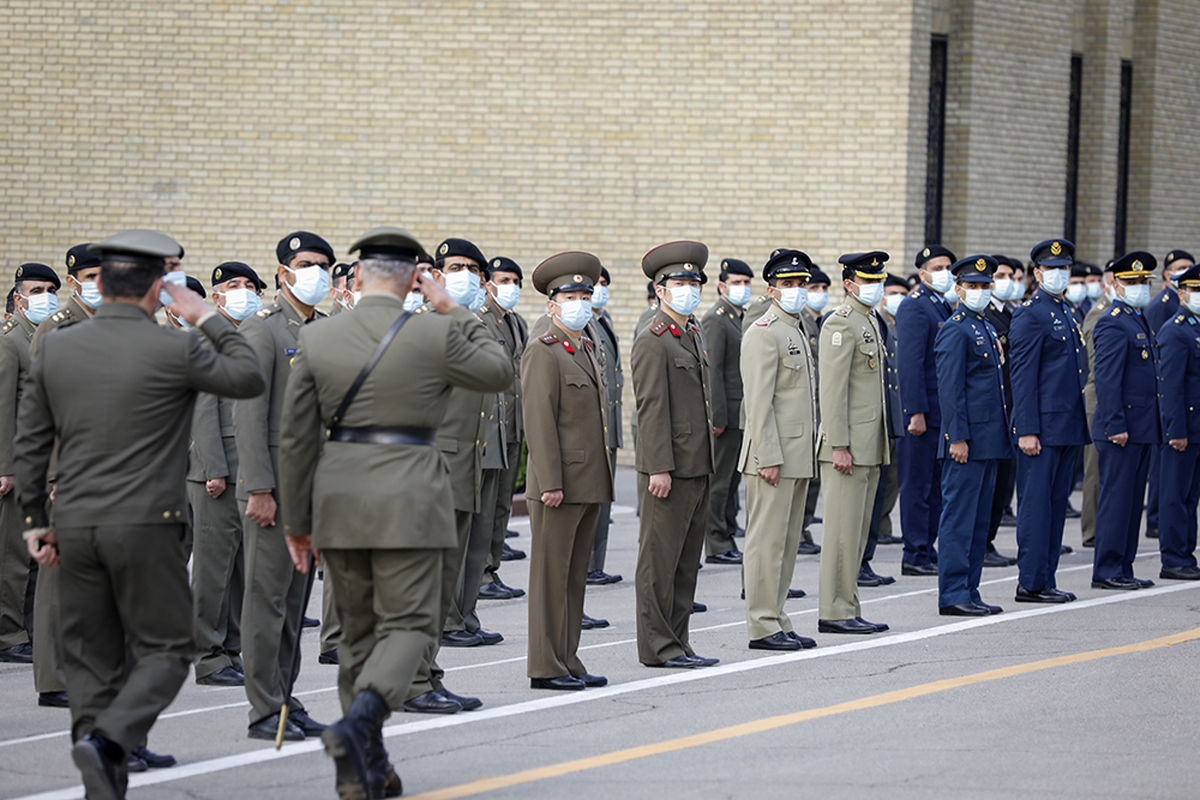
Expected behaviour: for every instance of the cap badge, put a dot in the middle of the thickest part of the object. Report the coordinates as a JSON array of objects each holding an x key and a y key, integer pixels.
[
  {"x": 577, "y": 278},
  {"x": 925, "y": 252},
  {"x": 445, "y": 248},
  {"x": 1055, "y": 249},
  {"x": 19, "y": 271},
  {"x": 217, "y": 274},
  {"x": 294, "y": 244},
  {"x": 1170, "y": 256},
  {"x": 874, "y": 262},
  {"x": 496, "y": 263},
  {"x": 1137, "y": 266},
  {"x": 725, "y": 264},
  {"x": 980, "y": 265},
  {"x": 688, "y": 267},
  {"x": 794, "y": 261},
  {"x": 775, "y": 252},
  {"x": 71, "y": 260}
]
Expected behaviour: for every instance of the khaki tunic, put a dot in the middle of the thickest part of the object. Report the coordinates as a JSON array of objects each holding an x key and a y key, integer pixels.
[{"x": 15, "y": 335}]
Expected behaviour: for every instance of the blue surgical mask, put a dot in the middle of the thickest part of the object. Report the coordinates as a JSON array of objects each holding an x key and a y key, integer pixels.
[
  {"x": 477, "y": 301},
  {"x": 507, "y": 295},
  {"x": 792, "y": 299},
  {"x": 1137, "y": 295},
  {"x": 179, "y": 278},
  {"x": 891, "y": 303},
  {"x": 1094, "y": 290},
  {"x": 1055, "y": 280},
  {"x": 684, "y": 299},
  {"x": 574, "y": 314},
  {"x": 950, "y": 296},
  {"x": 1193, "y": 302},
  {"x": 1076, "y": 292},
  {"x": 818, "y": 300},
  {"x": 241, "y": 304},
  {"x": 600, "y": 297},
  {"x": 1003, "y": 289},
  {"x": 89, "y": 294},
  {"x": 869, "y": 294},
  {"x": 977, "y": 299},
  {"x": 461, "y": 286},
  {"x": 941, "y": 281},
  {"x": 312, "y": 284},
  {"x": 413, "y": 301},
  {"x": 40, "y": 306},
  {"x": 740, "y": 295}
]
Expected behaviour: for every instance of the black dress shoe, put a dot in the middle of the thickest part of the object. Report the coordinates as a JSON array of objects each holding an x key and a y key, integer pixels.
[
  {"x": 498, "y": 590},
  {"x": 918, "y": 569},
  {"x": 593, "y": 681},
  {"x": 461, "y": 639},
  {"x": 1065, "y": 550},
  {"x": 701, "y": 661},
  {"x": 511, "y": 534},
  {"x": 328, "y": 657},
  {"x": 1180, "y": 573},
  {"x": 805, "y": 642},
  {"x": 732, "y": 557},
  {"x": 17, "y": 654},
  {"x": 879, "y": 627},
  {"x": 225, "y": 676},
  {"x": 599, "y": 577},
  {"x": 795, "y": 593},
  {"x": 1072, "y": 512},
  {"x": 1145, "y": 583},
  {"x": 54, "y": 700},
  {"x": 467, "y": 703},
  {"x": 1023, "y": 595},
  {"x": 844, "y": 626},
  {"x": 489, "y": 637},
  {"x": 309, "y": 622},
  {"x": 101, "y": 766},
  {"x": 1151, "y": 533},
  {"x": 678, "y": 662},
  {"x": 1090, "y": 543},
  {"x": 154, "y": 760},
  {"x": 989, "y": 608},
  {"x": 698, "y": 608},
  {"x": 867, "y": 577},
  {"x": 994, "y": 559},
  {"x": 963, "y": 610},
  {"x": 889, "y": 540},
  {"x": 511, "y": 553},
  {"x": 592, "y": 623},
  {"x": 1008, "y": 519},
  {"x": 1118, "y": 584},
  {"x": 432, "y": 703},
  {"x": 808, "y": 549},
  {"x": 135, "y": 764},
  {"x": 1069, "y": 595},
  {"x": 307, "y": 725},
  {"x": 267, "y": 728},
  {"x": 776, "y": 641},
  {"x": 563, "y": 683}
]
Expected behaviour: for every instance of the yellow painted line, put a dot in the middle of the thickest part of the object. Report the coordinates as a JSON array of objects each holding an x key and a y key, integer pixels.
[{"x": 783, "y": 720}]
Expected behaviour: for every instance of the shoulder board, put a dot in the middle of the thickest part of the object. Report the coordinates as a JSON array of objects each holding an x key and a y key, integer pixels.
[
  {"x": 1166, "y": 298},
  {"x": 842, "y": 311},
  {"x": 8, "y": 326},
  {"x": 266, "y": 312},
  {"x": 1116, "y": 312},
  {"x": 659, "y": 327},
  {"x": 549, "y": 338},
  {"x": 958, "y": 317},
  {"x": 421, "y": 309},
  {"x": 61, "y": 316},
  {"x": 1028, "y": 302},
  {"x": 1179, "y": 319},
  {"x": 765, "y": 320}
]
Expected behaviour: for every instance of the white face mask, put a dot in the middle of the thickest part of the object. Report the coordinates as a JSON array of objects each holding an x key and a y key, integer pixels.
[
  {"x": 354, "y": 298},
  {"x": 574, "y": 314},
  {"x": 792, "y": 299},
  {"x": 507, "y": 295},
  {"x": 740, "y": 295},
  {"x": 179, "y": 278},
  {"x": 891, "y": 303},
  {"x": 869, "y": 294},
  {"x": 1055, "y": 280},
  {"x": 413, "y": 301},
  {"x": 1193, "y": 302},
  {"x": 312, "y": 284},
  {"x": 461, "y": 286},
  {"x": 1094, "y": 289},
  {"x": 89, "y": 294},
  {"x": 600, "y": 296},
  {"x": 818, "y": 300},
  {"x": 1003, "y": 289},
  {"x": 1137, "y": 295},
  {"x": 241, "y": 304},
  {"x": 941, "y": 281},
  {"x": 977, "y": 299},
  {"x": 1076, "y": 292},
  {"x": 40, "y": 306},
  {"x": 950, "y": 296},
  {"x": 684, "y": 299}
]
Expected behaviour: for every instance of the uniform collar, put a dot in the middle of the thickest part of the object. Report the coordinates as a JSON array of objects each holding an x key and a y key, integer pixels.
[
  {"x": 27, "y": 327},
  {"x": 116, "y": 310},
  {"x": 490, "y": 303},
  {"x": 732, "y": 308}
]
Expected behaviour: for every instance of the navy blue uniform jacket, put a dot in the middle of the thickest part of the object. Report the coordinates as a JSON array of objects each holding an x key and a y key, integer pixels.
[
  {"x": 1048, "y": 366},
  {"x": 971, "y": 387}
]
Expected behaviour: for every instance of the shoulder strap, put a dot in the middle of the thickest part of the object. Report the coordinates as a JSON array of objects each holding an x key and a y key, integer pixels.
[{"x": 370, "y": 365}]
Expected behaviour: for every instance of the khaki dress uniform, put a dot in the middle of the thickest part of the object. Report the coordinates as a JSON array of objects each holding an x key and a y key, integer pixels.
[
  {"x": 15, "y": 336},
  {"x": 722, "y": 327}
]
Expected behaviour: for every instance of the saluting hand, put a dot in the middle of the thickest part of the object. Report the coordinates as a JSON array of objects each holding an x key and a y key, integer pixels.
[
  {"x": 260, "y": 509},
  {"x": 436, "y": 294},
  {"x": 187, "y": 305},
  {"x": 6, "y": 484}
]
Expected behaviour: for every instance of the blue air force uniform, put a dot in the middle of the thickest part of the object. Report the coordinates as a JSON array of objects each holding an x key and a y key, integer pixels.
[
  {"x": 1179, "y": 470},
  {"x": 1127, "y": 392},
  {"x": 1048, "y": 368},
  {"x": 970, "y": 382},
  {"x": 917, "y": 323}
]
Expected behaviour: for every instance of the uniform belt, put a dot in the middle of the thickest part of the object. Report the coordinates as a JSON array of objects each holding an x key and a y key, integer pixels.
[{"x": 378, "y": 434}]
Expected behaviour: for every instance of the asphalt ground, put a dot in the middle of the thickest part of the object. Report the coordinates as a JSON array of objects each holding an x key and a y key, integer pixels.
[{"x": 1091, "y": 699}]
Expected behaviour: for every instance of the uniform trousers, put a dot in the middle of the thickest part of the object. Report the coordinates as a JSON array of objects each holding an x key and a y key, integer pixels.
[
  {"x": 775, "y": 517},
  {"x": 1179, "y": 494},
  {"x": 1154, "y": 500},
  {"x": 218, "y": 580},
  {"x": 504, "y": 498},
  {"x": 1091, "y": 493},
  {"x": 558, "y": 567},
  {"x": 671, "y": 538},
  {"x": 124, "y": 585},
  {"x": 270, "y": 618},
  {"x": 920, "y": 495},
  {"x": 331, "y": 624},
  {"x": 14, "y": 574},
  {"x": 600, "y": 541},
  {"x": 388, "y": 601},
  {"x": 967, "y": 493},
  {"x": 881, "y": 508},
  {"x": 429, "y": 675},
  {"x": 1043, "y": 486},
  {"x": 810, "y": 507},
  {"x": 1123, "y": 472},
  {"x": 719, "y": 536},
  {"x": 849, "y": 501},
  {"x": 462, "y": 616},
  {"x": 1006, "y": 480},
  {"x": 48, "y": 674}
]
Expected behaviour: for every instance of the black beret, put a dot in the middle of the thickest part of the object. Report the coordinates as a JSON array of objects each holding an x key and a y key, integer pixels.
[
  {"x": 735, "y": 266},
  {"x": 462, "y": 248},
  {"x": 1135, "y": 264},
  {"x": 1177, "y": 255},
  {"x": 300, "y": 241},
  {"x": 895, "y": 280},
  {"x": 34, "y": 271},
  {"x": 1053, "y": 253},
  {"x": 196, "y": 286},
  {"x": 80, "y": 257},
  {"x": 340, "y": 270},
  {"x": 912, "y": 280},
  {"x": 932, "y": 251},
  {"x": 867, "y": 265},
  {"x": 502, "y": 264},
  {"x": 236, "y": 269},
  {"x": 1080, "y": 269},
  {"x": 787, "y": 263},
  {"x": 817, "y": 275},
  {"x": 604, "y": 276},
  {"x": 974, "y": 269},
  {"x": 424, "y": 258}
]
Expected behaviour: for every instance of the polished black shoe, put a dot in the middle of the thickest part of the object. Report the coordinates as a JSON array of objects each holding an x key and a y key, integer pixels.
[
  {"x": 1008, "y": 519},
  {"x": 867, "y": 577},
  {"x": 154, "y": 760},
  {"x": 1144, "y": 583},
  {"x": 225, "y": 676},
  {"x": 593, "y": 681},
  {"x": 511, "y": 553},
  {"x": 993, "y": 559},
  {"x": 592, "y": 623},
  {"x": 467, "y": 703},
  {"x": 54, "y": 700},
  {"x": 489, "y": 637},
  {"x": 794, "y": 594},
  {"x": 701, "y": 661},
  {"x": 776, "y": 641},
  {"x": 135, "y": 764},
  {"x": 963, "y": 610},
  {"x": 805, "y": 642},
  {"x": 989, "y": 608},
  {"x": 1180, "y": 573},
  {"x": 678, "y": 662},
  {"x": 1069, "y": 595},
  {"x": 498, "y": 590},
  {"x": 101, "y": 766},
  {"x": 1072, "y": 512},
  {"x": 1023, "y": 595},
  {"x": 889, "y": 540},
  {"x": 844, "y": 626},
  {"x": 461, "y": 639},
  {"x": 918, "y": 569},
  {"x": 563, "y": 683},
  {"x": 1090, "y": 543},
  {"x": 1151, "y": 533},
  {"x": 808, "y": 549},
  {"x": 267, "y": 728},
  {"x": 307, "y": 725},
  {"x": 309, "y": 622},
  {"x": 328, "y": 657},
  {"x": 599, "y": 577},
  {"x": 511, "y": 534},
  {"x": 879, "y": 627},
  {"x": 1065, "y": 550},
  {"x": 432, "y": 702},
  {"x": 1119, "y": 584},
  {"x": 17, "y": 654},
  {"x": 732, "y": 557},
  {"x": 698, "y": 608}
]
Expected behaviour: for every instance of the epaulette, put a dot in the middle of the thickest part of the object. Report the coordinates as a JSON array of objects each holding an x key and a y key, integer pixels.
[
  {"x": 549, "y": 338},
  {"x": 1166, "y": 298},
  {"x": 266, "y": 312},
  {"x": 61, "y": 316},
  {"x": 8, "y": 326},
  {"x": 1116, "y": 312},
  {"x": 842, "y": 311},
  {"x": 766, "y": 319},
  {"x": 659, "y": 327},
  {"x": 957, "y": 317},
  {"x": 1028, "y": 302},
  {"x": 1179, "y": 318}
]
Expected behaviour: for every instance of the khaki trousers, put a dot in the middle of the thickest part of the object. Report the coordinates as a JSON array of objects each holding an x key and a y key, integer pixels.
[
  {"x": 14, "y": 574},
  {"x": 48, "y": 674},
  {"x": 558, "y": 566},
  {"x": 775, "y": 517},
  {"x": 849, "y": 500},
  {"x": 218, "y": 579}
]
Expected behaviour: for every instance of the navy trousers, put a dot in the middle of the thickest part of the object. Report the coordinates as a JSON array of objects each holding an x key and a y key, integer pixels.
[
  {"x": 920, "y": 495},
  {"x": 1123, "y": 473},
  {"x": 1043, "y": 487},
  {"x": 876, "y": 515},
  {"x": 1179, "y": 475},
  {"x": 1006, "y": 481},
  {"x": 967, "y": 492},
  {"x": 1153, "y": 502}
]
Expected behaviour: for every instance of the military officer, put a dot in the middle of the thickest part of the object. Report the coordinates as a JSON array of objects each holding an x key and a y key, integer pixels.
[
  {"x": 1126, "y": 426},
  {"x": 852, "y": 441},
  {"x": 274, "y": 589},
  {"x": 1091, "y": 459},
  {"x": 569, "y": 474},
  {"x": 917, "y": 323},
  {"x": 999, "y": 315},
  {"x": 34, "y": 301},
  {"x": 811, "y": 318},
  {"x": 173, "y": 318},
  {"x": 1048, "y": 361},
  {"x": 723, "y": 337},
  {"x": 674, "y": 456},
  {"x": 1076, "y": 293},
  {"x": 119, "y": 520},
  {"x": 604, "y": 333},
  {"x": 1179, "y": 345},
  {"x": 340, "y": 290},
  {"x": 975, "y": 439},
  {"x": 777, "y": 454},
  {"x": 83, "y": 268}
]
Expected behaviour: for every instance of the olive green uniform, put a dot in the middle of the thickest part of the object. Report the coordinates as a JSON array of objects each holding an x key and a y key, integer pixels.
[
  {"x": 600, "y": 330},
  {"x": 514, "y": 337},
  {"x": 852, "y": 401},
  {"x": 15, "y": 336},
  {"x": 1091, "y": 456},
  {"x": 723, "y": 338}
]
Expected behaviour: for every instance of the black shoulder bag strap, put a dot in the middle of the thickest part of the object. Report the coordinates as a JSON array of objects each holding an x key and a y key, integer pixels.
[{"x": 366, "y": 370}]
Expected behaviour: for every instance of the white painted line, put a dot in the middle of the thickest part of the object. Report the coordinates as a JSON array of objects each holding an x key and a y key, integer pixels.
[{"x": 592, "y": 695}]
